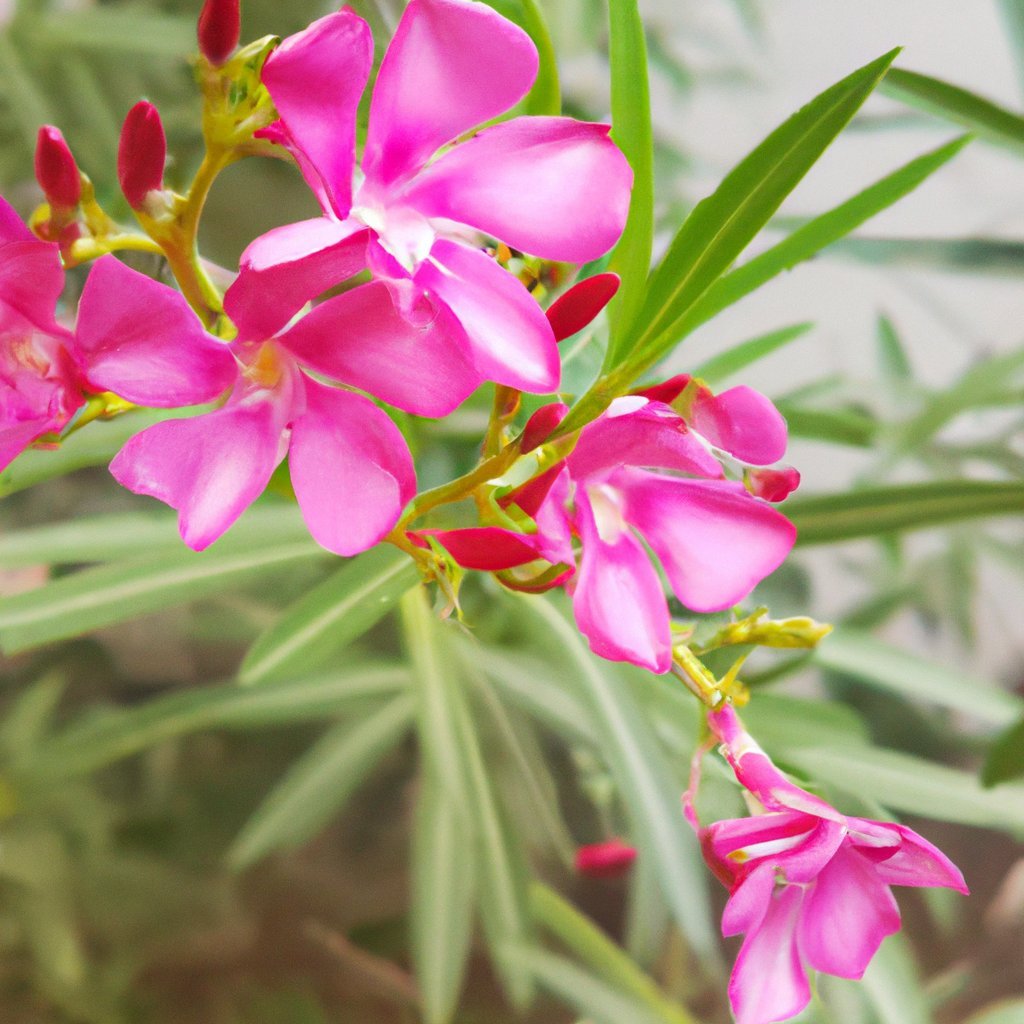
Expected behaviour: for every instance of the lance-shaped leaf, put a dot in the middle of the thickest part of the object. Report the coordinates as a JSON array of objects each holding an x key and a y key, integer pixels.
[
  {"x": 1005, "y": 759},
  {"x": 719, "y": 368}
]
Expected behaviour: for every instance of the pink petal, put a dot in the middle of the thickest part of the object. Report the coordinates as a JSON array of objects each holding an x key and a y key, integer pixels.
[
  {"x": 914, "y": 862},
  {"x": 749, "y": 902},
  {"x": 289, "y": 266},
  {"x": 12, "y": 227},
  {"x": 618, "y": 601},
  {"x": 541, "y": 425},
  {"x": 581, "y": 304},
  {"x": 774, "y": 484},
  {"x": 714, "y": 540},
  {"x": 768, "y": 982},
  {"x": 550, "y": 186},
  {"x": 16, "y": 437},
  {"x": 487, "y": 548},
  {"x": 742, "y": 422},
  {"x": 351, "y": 469},
  {"x": 315, "y": 79},
  {"x": 848, "y": 912},
  {"x": 667, "y": 391},
  {"x": 31, "y": 280},
  {"x": 510, "y": 339},
  {"x": 210, "y": 468},
  {"x": 140, "y": 339},
  {"x": 418, "y": 363},
  {"x": 730, "y": 835},
  {"x": 451, "y": 66}
]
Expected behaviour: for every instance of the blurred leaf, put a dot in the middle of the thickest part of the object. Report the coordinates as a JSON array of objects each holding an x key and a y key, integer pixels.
[
  {"x": 648, "y": 917},
  {"x": 739, "y": 357},
  {"x": 892, "y": 353},
  {"x": 545, "y": 97},
  {"x": 1005, "y": 759},
  {"x": 784, "y": 721},
  {"x": 964, "y": 255},
  {"x": 828, "y": 518},
  {"x": 113, "y": 30},
  {"x": 893, "y": 985},
  {"x": 1009, "y": 1012},
  {"x": 838, "y": 426},
  {"x": 981, "y": 116},
  {"x": 331, "y": 615},
  {"x": 317, "y": 786},
  {"x": 27, "y": 721}
]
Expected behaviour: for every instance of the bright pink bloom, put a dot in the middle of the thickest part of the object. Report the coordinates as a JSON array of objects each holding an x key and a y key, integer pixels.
[
  {"x": 809, "y": 887},
  {"x": 141, "y": 154},
  {"x": 610, "y": 859},
  {"x": 350, "y": 466},
  {"x": 550, "y": 186},
  {"x": 40, "y": 384}
]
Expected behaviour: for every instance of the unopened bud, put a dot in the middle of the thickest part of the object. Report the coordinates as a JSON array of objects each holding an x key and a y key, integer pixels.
[
  {"x": 56, "y": 170},
  {"x": 218, "y": 30},
  {"x": 141, "y": 154},
  {"x": 773, "y": 484},
  {"x": 610, "y": 859},
  {"x": 581, "y": 303}
]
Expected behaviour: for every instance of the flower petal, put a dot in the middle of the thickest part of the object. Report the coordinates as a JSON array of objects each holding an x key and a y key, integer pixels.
[
  {"x": 742, "y": 422},
  {"x": 31, "y": 280},
  {"x": 315, "y": 79},
  {"x": 12, "y": 227},
  {"x": 487, "y": 548},
  {"x": 16, "y": 437},
  {"x": 351, "y": 469},
  {"x": 551, "y": 186},
  {"x": 510, "y": 339},
  {"x": 750, "y": 901},
  {"x": 417, "y": 362},
  {"x": 451, "y": 66},
  {"x": 140, "y": 339},
  {"x": 915, "y": 861},
  {"x": 580, "y": 305}
]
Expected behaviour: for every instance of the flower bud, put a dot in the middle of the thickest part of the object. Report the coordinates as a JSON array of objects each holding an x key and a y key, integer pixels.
[
  {"x": 610, "y": 859},
  {"x": 56, "y": 170},
  {"x": 581, "y": 304},
  {"x": 774, "y": 484},
  {"x": 141, "y": 154},
  {"x": 218, "y": 30}
]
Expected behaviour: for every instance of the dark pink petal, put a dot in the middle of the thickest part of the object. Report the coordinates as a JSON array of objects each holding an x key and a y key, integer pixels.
[
  {"x": 914, "y": 862},
  {"x": 140, "y": 339},
  {"x": 509, "y": 337},
  {"x": 750, "y": 901},
  {"x": 12, "y": 227},
  {"x": 451, "y": 66},
  {"x": 31, "y": 280},
  {"x": 218, "y": 29},
  {"x": 550, "y": 186},
  {"x": 141, "y": 154},
  {"x": 541, "y": 424},
  {"x": 56, "y": 170},
  {"x": 774, "y": 484},
  {"x": 610, "y": 859},
  {"x": 667, "y": 391},
  {"x": 742, "y": 422},
  {"x": 210, "y": 468},
  {"x": 580, "y": 305},
  {"x": 15, "y": 437},
  {"x": 487, "y": 548},
  {"x": 618, "y": 601},
  {"x": 714, "y": 540},
  {"x": 315, "y": 79},
  {"x": 417, "y": 362},
  {"x": 847, "y": 913},
  {"x": 636, "y": 432},
  {"x": 351, "y": 469},
  {"x": 289, "y": 266},
  {"x": 768, "y": 982},
  {"x": 782, "y": 829}
]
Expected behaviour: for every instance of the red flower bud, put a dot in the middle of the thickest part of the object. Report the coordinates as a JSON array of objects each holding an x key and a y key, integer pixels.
[
  {"x": 218, "y": 30},
  {"x": 610, "y": 859},
  {"x": 581, "y": 304},
  {"x": 774, "y": 484},
  {"x": 56, "y": 170},
  {"x": 141, "y": 154}
]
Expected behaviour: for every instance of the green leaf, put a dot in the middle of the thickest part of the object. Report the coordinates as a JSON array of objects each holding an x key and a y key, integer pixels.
[
  {"x": 88, "y": 600},
  {"x": 838, "y": 426},
  {"x": 113, "y": 30},
  {"x": 443, "y": 882},
  {"x": 878, "y": 664},
  {"x": 986, "y": 256},
  {"x": 893, "y": 985},
  {"x": 827, "y": 518},
  {"x": 739, "y": 357},
  {"x": 319, "y": 784},
  {"x": 1009, "y": 1012},
  {"x": 1005, "y": 760},
  {"x": 631, "y": 130},
  {"x": 986, "y": 119},
  {"x": 105, "y": 737},
  {"x": 893, "y": 355},
  {"x": 331, "y": 615},
  {"x": 545, "y": 97}
]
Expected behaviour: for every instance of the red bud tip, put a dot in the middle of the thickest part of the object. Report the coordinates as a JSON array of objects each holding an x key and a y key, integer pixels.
[
  {"x": 668, "y": 391},
  {"x": 218, "y": 30},
  {"x": 141, "y": 154},
  {"x": 581, "y": 303},
  {"x": 611, "y": 859},
  {"x": 56, "y": 170},
  {"x": 774, "y": 484}
]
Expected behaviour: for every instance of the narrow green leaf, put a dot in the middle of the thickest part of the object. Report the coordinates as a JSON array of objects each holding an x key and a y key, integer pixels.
[
  {"x": 631, "y": 129},
  {"x": 116, "y": 592},
  {"x": 739, "y": 357},
  {"x": 1009, "y": 1012},
  {"x": 879, "y": 664},
  {"x": 1005, "y": 759},
  {"x": 986, "y": 256},
  {"x": 894, "y": 986},
  {"x": 331, "y": 615},
  {"x": 113, "y": 30},
  {"x": 319, "y": 784},
  {"x": 836, "y": 426},
  {"x": 827, "y": 518},
  {"x": 545, "y": 97},
  {"x": 983, "y": 117},
  {"x": 893, "y": 356}
]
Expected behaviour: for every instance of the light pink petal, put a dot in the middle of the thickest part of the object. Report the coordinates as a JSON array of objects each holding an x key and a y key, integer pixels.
[
  {"x": 418, "y": 362},
  {"x": 487, "y": 548},
  {"x": 768, "y": 982},
  {"x": 714, "y": 540},
  {"x": 581, "y": 304},
  {"x": 510, "y": 339},
  {"x": 554, "y": 531},
  {"x": 16, "y": 437},
  {"x": 618, "y": 601},
  {"x": 12, "y": 227},
  {"x": 915, "y": 861},
  {"x": 315, "y": 79},
  {"x": 550, "y": 186},
  {"x": 351, "y": 469},
  {"x": 210, "y": 468},
  {"x": 31, "y": 280},
  {"x": 451, "y": 65},
  {"x": 783, "y": 828},
  {"x": 742, "y": 422},
  {"x": 637, "y": 432},
  {"x": 749, "y": 901},
  {"x": 847, "y": 914},
  {"x": 140, "y": 339},
  {"x": 289, "y": 266}
]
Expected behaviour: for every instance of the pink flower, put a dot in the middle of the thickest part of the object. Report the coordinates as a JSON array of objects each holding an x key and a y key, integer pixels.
[
  {"x": 550, "y": 186},
  {"x": 809, "y": 887},
  {"x": 349, "y": 464},
  {"x": 638, "y": 475},
  {"x": 40, "y": 383}
]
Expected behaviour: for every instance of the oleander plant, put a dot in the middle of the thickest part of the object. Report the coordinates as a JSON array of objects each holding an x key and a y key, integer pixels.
[{"x": 396, "y": 625}]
